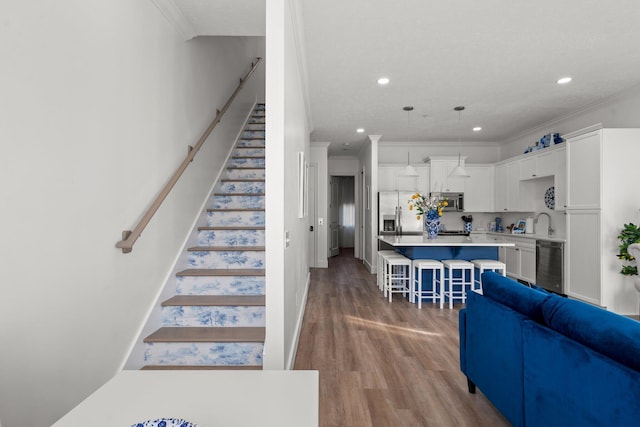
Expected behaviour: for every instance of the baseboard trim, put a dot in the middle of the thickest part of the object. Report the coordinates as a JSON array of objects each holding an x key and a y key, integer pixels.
[
  {"x": 368, "y": 266},
  {"x": 293, "y": 351}
]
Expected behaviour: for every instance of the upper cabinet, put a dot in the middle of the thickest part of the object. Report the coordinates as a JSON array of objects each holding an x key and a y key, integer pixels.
[
  {"x": 441, "y": 167},
  {"x": 538, "y": 165},
  {"x": 478, "y": 189},
  {"x": 391, "y": 178},
  {"x": 583, "y": 166}
]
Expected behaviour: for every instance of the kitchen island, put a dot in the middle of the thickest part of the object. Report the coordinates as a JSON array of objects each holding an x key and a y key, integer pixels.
[{"x": 444, "y": 247}]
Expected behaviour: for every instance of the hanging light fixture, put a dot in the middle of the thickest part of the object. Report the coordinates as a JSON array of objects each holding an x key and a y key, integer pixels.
[
  {"x": 409, "y": 170},
  {"x": 459, "y": 171}
]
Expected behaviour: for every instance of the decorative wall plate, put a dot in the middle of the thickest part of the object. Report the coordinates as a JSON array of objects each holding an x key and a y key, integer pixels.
[
  {"x": 550, "y": 198},
  {"x": 164, "y": 422}
]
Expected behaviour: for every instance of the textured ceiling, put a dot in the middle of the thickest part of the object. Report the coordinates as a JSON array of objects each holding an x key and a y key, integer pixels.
[
  {"x": 224, "y": 17},
  {"x": 499, "y": 58}
]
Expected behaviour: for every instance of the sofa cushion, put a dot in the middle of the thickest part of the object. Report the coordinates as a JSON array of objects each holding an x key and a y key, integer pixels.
[
  {"x": 514, "y": 295},
  {"x": 615, "y": 336}
]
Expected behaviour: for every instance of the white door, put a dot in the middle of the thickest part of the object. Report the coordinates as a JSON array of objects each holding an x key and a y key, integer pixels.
[
  {"x": 334, "y": 220},
  {"x": 312, "y": 174}
]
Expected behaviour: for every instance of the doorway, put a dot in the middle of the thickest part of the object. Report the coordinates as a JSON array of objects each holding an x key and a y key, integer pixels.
[{"x": 342, "y": 208}]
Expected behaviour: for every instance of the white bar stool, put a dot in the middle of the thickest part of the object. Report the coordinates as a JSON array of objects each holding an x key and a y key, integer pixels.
[
  {"x": 382, "y": 266},
  {"x": 452, "y": 266},
  {"x": 483, "y": 265},
  {"x": 398, "y": 277},
  {"x": 437, "y": 280}
]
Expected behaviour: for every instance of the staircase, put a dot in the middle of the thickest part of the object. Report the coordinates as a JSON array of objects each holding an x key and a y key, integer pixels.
[{"x": 216, "y": 320}]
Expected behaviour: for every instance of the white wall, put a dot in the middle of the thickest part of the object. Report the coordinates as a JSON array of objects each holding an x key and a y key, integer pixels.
[
  {"x": 620, "y": 111},
  {"x": 318, "y": 154},
  {"x": 99, "y": 103},
  {"x": 287, "y": 134},
  {"x": 368, "y": 159}
]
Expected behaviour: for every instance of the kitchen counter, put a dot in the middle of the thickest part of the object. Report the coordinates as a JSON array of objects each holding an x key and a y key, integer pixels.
[
  {"x": 526, "y": 236},
  {"x": 423, "y": 241},
  {"x": 445, "y": 247}
]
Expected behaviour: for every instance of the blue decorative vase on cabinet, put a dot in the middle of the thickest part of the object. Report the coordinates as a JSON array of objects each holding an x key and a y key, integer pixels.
[{"x": 431, "y": 224}]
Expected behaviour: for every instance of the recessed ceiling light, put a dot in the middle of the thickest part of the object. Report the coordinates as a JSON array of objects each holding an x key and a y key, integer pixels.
[
  {"x": 360, "y": 130},
  {"x": 383, "y": 81},
  {"x": 564, "y": 80},
  {"x": 477, "y": 129}
]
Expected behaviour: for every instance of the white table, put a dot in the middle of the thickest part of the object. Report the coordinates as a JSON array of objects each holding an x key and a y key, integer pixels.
[{"x": 206, "y": 398}]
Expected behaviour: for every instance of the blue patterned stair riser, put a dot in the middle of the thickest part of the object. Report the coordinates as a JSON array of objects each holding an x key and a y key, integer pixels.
[
  {"x": 213, "y": 316},
  {"x": 231, "y": 238},
  {"x": 235, "y": 218},
  {"x": 220, "y": 285},
  {"x": 238, "y": 202},
  {"x": 242, "y": 187},
  {"x": 226, "y": 259},
  {"x": 218, "y": 354}
]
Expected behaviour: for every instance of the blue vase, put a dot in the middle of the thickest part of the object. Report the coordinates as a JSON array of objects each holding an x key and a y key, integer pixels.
[{"x": 431, "y": 224}]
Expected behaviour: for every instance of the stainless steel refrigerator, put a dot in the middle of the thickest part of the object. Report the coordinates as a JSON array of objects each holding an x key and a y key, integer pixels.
[{"x": 394, "y": 216}]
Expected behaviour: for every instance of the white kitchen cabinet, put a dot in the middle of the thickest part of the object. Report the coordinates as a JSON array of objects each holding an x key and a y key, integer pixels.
[
  {"x": 521, "y": 259},
  {"x": 507, "y": 187},
  {"x": 583, "y": 255},
  {"x": 538, "y": 165},
  {"x": 601, "y": 198},
  {"x": 528, "y": 261},
  {"x": 391, "y": 178},
  {"x": 513, "y": 186},
  {"x": 561, "y": 180},
  {"x": 478, "y": 189},
  {"x": 500, "y": 188},
  {"x": 387, "y": 178},
  {"x": 440, "y": 181},
  {"x": 584, "y": 154}
]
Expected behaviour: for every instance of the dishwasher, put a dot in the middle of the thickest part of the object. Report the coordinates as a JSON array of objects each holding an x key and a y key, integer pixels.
[{"x": 550, "y": 265}]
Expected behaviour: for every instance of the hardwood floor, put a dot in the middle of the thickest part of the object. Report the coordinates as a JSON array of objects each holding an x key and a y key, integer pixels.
[{"x": 381, "y": 363}]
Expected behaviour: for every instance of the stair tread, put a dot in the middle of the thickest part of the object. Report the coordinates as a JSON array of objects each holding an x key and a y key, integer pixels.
[
  {"x": 236, "y": 248},
  {"x": 215, "y": 300},
  {"x": 240, "y": 194},
  {"x": 207, "y": 334},
  {"x": 221, "y": 272},
  {"x": 201, "y": 368},
  {"x": 235, "y": 210},
  {"x": 232, "y": 227},
  {"x": 245, "y": 167}
]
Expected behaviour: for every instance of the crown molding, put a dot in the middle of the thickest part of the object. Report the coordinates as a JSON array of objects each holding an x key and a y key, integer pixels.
[{"x": 176, "y": 18}]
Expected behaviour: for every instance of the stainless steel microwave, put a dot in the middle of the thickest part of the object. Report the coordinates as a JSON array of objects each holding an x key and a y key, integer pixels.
[{"x": 455, "y": 200}]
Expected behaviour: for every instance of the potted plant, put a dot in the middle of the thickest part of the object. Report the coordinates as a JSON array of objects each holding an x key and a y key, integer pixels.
[{"x": 629, "y": 235}]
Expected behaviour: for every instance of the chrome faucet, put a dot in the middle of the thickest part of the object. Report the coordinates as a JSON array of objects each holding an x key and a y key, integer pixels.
[{"x": 550, "y": 229}]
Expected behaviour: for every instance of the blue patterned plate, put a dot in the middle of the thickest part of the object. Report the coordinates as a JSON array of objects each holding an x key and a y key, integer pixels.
[
  {"x": 550, "y": 198},
  {"x": 165, "y": 422}
]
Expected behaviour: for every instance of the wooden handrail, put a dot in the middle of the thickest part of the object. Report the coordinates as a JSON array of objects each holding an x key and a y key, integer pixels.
[{"x": 129, "y": 237}]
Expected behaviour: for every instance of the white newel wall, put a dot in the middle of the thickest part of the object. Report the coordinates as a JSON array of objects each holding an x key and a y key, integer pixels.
[
  {"x": 99, "y": 103},
  {"x": 287, "y": 134}
]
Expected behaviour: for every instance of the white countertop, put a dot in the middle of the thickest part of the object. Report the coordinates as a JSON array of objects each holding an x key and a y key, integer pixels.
[
  {"x": 399, "y": 241},
  {"x": 528, "y": 236},
  {"x": 205, "y": 398}
]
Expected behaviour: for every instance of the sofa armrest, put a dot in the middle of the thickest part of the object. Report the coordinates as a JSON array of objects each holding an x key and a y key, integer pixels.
[
  {"x": 491, "y": 353},
  {"x": 567, "y": 383}
]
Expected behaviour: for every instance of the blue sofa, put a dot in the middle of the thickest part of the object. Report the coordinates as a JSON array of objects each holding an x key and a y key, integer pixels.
[{"x": 545, "y": 360}]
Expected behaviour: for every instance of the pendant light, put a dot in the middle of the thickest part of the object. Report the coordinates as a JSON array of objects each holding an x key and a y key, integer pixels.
[
  {"x": 459, "y": 171},
  {"x": 408, "y": 170}
]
